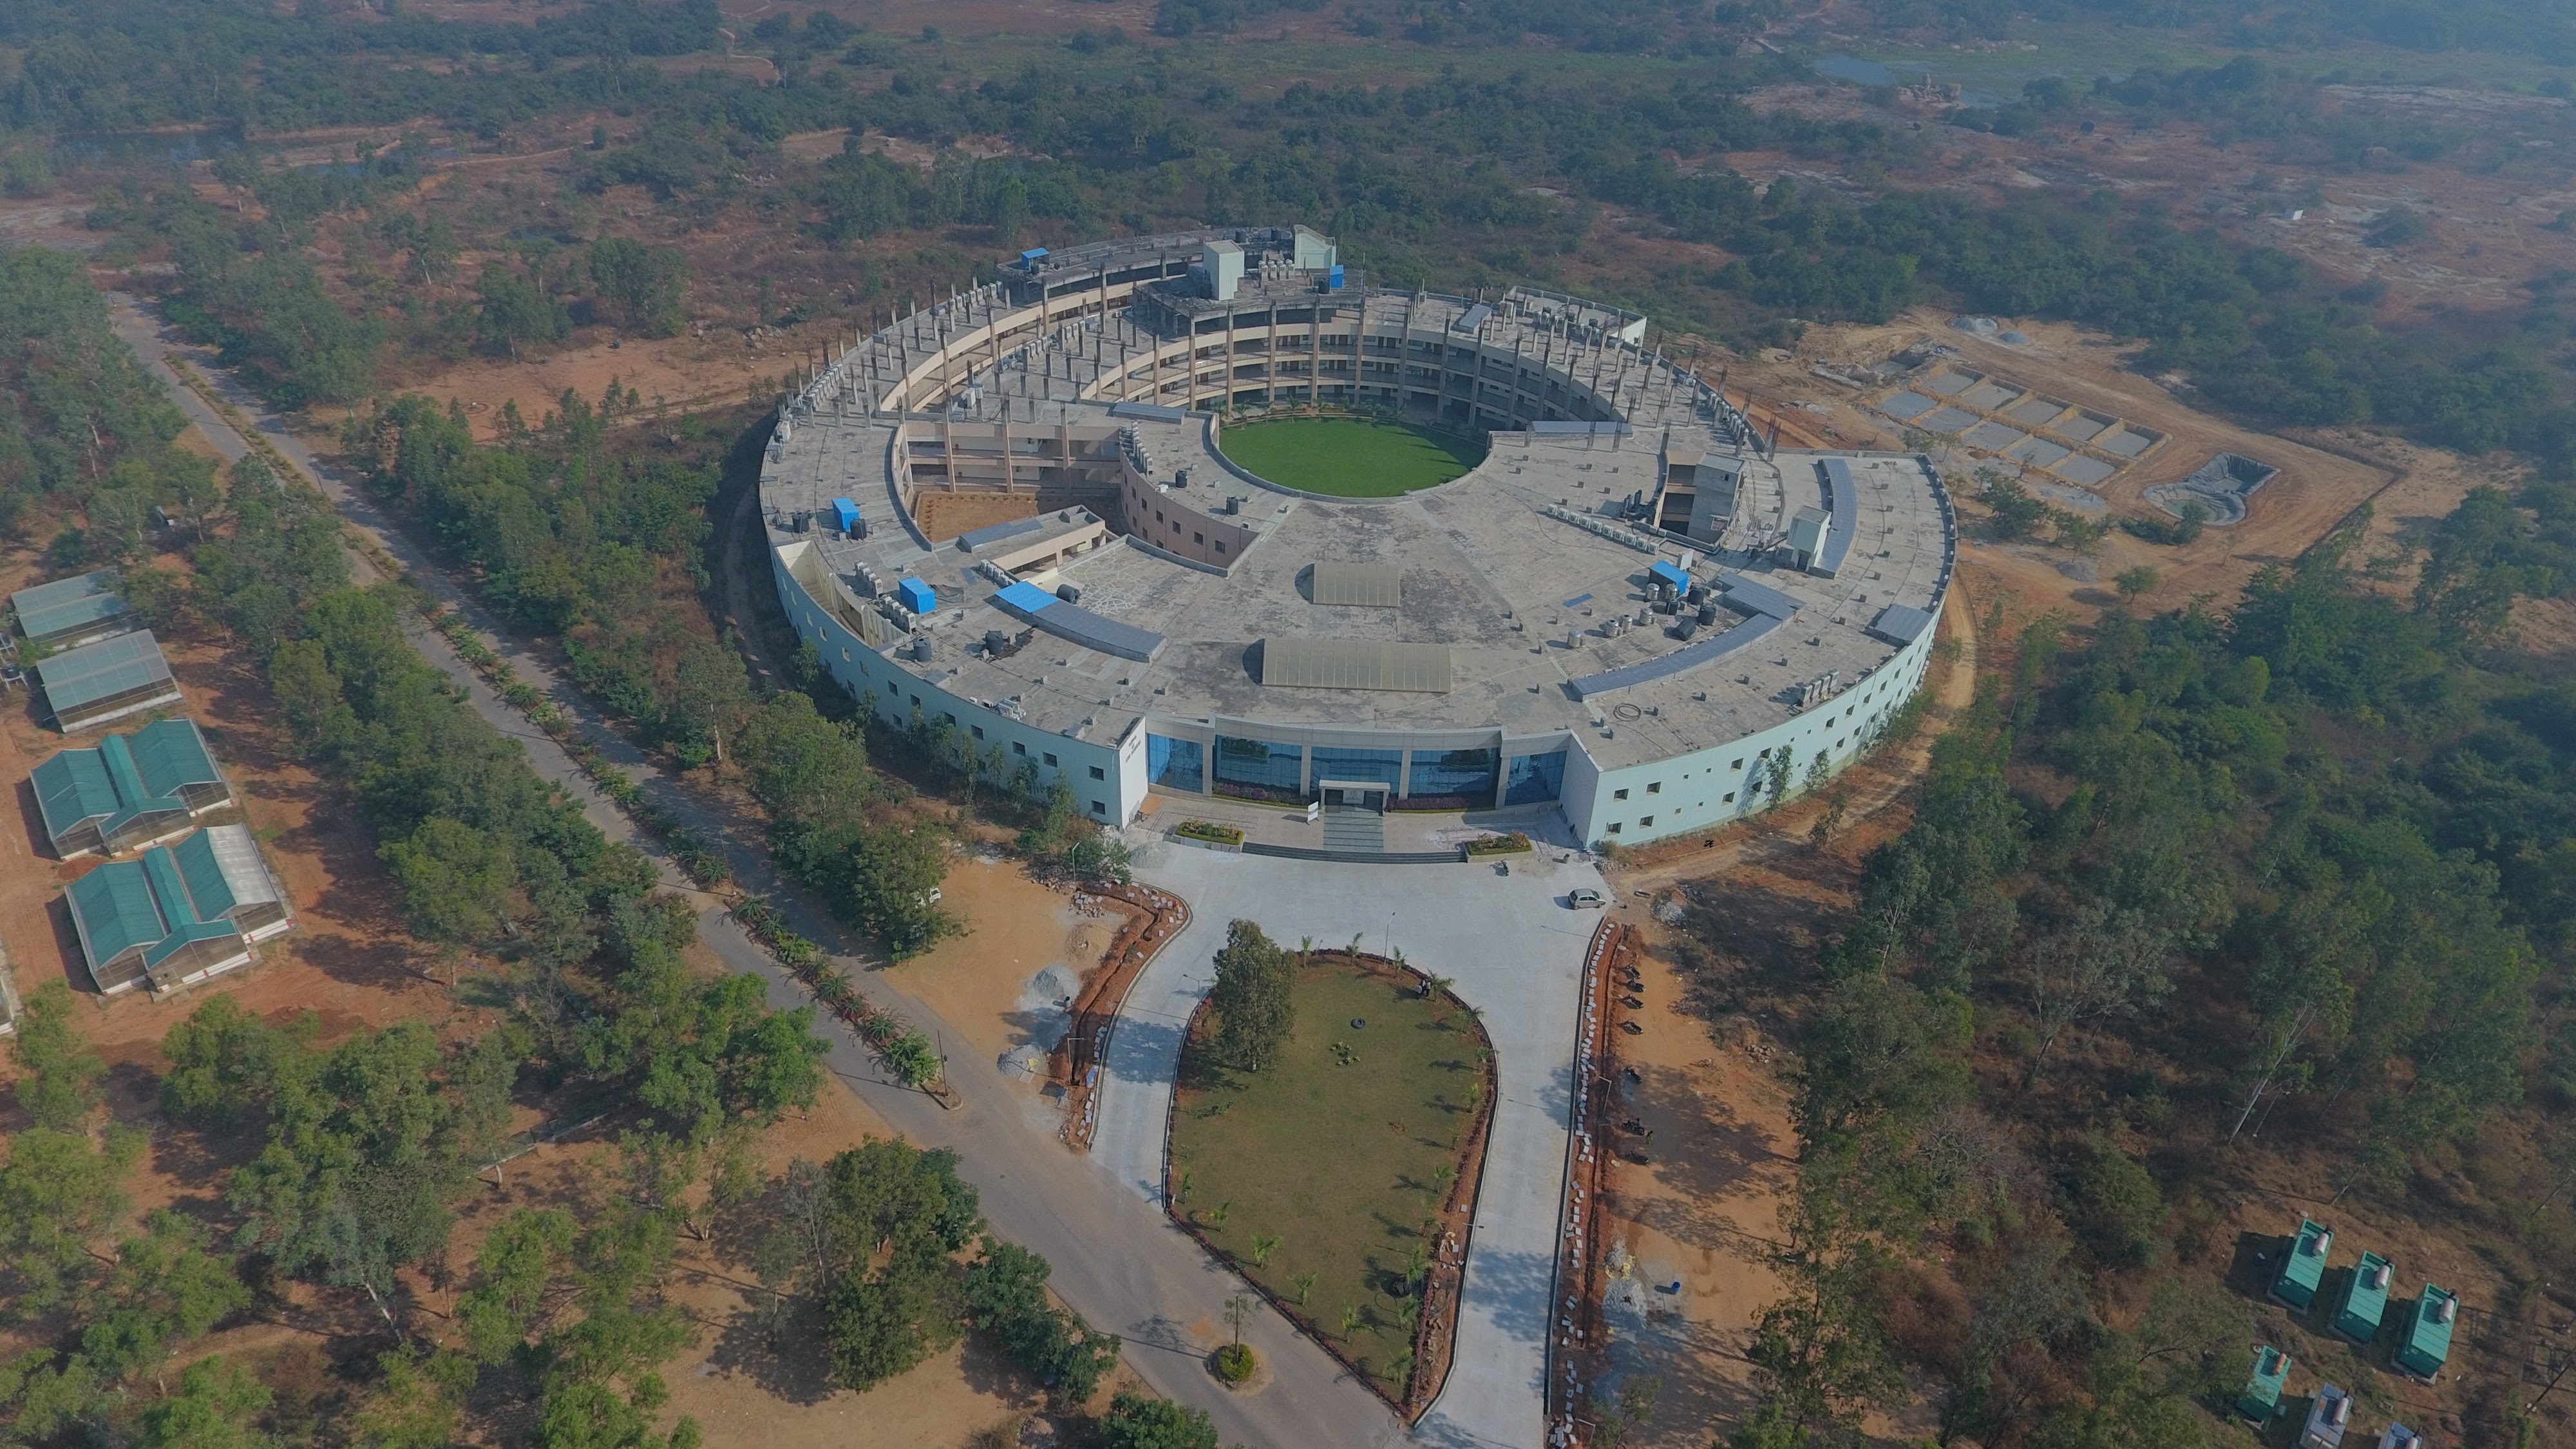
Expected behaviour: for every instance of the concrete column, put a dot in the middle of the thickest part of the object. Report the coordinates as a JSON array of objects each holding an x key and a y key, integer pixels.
[{"x": 1315, "y": 354}]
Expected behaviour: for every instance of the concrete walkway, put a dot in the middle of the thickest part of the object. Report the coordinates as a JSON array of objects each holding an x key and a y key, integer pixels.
[
  {"x": 1118, "y": 1261},
  {"x": 1516, "y": 954}
]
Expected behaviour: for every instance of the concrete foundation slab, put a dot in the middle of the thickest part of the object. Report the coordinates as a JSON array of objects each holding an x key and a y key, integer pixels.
[
  {"x": 2121, "y": 442},
  {"x": 1991, "y": 436},
  {"x": 2037, "y": 452},
  {"x": 2035, "y": 412},
  {"x": 2091, "y": 472}
]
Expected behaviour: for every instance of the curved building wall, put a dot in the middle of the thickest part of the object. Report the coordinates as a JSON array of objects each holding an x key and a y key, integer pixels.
[
  {"x": 1363, "y": 351},
  {"x": 1107, "y": 776},
  {"x": 1682, "y": 793},
  {"x": 1156, "y": 514},
  {"x": 1632, "y": 804}
]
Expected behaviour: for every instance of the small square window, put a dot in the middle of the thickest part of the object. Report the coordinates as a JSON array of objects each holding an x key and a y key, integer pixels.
[
  {"x": 1730, "y": 797},
  {"x": 1018, "y": 749},
  {"x": 1099, "y": 809},
  {"x": 1220, "y": 545},
  {"x": 1098, "y": 773},
  {"x": 1050, "y": 759},
  {"x": 1645, "y": 822},
  {"x": 952, "y": 720},
  {"x": 1198, "y": 538},
  {"x": 1614, "y": 827},
  {"x": 1738, "y": 765},
  {"x": 1618, "y": 794},
  {"x": 845, "y": 656},
  {"x": 1655, "y": 787},
  {"x": 916, "y": 701},
  {"x": 978, "y": 729}
]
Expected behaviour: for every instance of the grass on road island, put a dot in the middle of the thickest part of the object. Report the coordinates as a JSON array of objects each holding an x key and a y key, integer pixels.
[
  {"x": 1337, "y": 1157},
  {"x": 1349, "y": 457}
]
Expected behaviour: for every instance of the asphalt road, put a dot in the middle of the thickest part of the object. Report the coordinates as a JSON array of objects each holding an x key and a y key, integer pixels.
[{"x": 1118, "y": 1261}]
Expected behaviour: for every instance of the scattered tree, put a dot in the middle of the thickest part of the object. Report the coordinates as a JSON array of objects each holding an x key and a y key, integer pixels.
[
  {"x": 1137, "y": 1422},
  {"x": 1251, "y": 998},
  {"x": 58, "y": 1073}
]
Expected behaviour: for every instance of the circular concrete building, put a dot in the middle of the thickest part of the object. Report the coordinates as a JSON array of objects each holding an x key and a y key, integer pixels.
[{"x": 1010, "y": 515}]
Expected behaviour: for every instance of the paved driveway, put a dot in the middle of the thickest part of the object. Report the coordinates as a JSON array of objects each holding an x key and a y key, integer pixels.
[{"x": 1516, "y": 954}]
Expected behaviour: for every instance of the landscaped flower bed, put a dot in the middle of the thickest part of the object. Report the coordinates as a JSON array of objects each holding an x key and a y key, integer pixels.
[
  {"x": 1511, "y": 844},
  {"x": 1209, "y": 830}
]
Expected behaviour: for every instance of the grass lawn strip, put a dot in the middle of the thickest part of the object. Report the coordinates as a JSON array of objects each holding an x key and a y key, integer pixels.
[
  {"x": 1349, "y": 457},
  {"x": 1336, "y": 1150}
]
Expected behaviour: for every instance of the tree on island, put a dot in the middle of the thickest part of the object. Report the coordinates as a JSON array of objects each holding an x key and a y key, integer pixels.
[{"x": 1253, "y": 1011}]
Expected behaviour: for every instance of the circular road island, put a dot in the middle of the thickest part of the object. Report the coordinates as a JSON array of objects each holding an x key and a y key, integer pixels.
[{"x": 1350, "y": 457}]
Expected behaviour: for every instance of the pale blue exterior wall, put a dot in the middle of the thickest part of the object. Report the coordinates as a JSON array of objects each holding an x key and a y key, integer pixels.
[
  {"x": 1694, "y": 787},
  {"x": 1119, "y": 787},
  {"x": 1667, "y": 797}
]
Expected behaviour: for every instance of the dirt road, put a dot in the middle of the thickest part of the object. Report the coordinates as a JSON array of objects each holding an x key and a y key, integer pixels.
[{"x": 1117, "y": 1259}]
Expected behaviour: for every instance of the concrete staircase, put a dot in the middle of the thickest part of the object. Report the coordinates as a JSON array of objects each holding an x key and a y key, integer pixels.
[{"x": 1349, "y": 828}]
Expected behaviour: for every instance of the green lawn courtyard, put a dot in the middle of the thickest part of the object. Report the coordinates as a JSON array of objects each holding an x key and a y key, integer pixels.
[
  {"x": 1317, "y": 1174},
  {"x": 1349, "y": 457}
]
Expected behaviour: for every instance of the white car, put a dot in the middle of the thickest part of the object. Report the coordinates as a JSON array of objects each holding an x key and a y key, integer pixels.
[{"x": 1585, "y": 898}]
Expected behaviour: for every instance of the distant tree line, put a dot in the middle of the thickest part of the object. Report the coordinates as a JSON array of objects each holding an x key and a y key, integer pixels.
[
  {"x": 1110, "y": 147},
  {"x": 2503, "y": 27}
]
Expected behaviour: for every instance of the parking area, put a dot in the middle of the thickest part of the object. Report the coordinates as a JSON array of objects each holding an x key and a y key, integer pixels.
[{"x": 1515, "y": 951}]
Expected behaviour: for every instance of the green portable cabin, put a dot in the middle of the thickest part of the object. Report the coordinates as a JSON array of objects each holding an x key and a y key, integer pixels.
[
  {"x": 2424, "y": 1344},
  {"x": 2303, "y": 1267},
  {"x": 2262, "y": 1396},
  {"x": 2365, "y": 1299}
]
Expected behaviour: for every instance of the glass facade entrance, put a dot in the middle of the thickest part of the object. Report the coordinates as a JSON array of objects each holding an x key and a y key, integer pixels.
[
  {"x": 1535, "y": 779},
  {"x": 1243, "y": 767},
  {"x": 1386, "y": 767},
  {"x": 1452, "y": 780},
  {"x": 1259, "y": 770},
  {"x": 1175, "y": 764}
]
